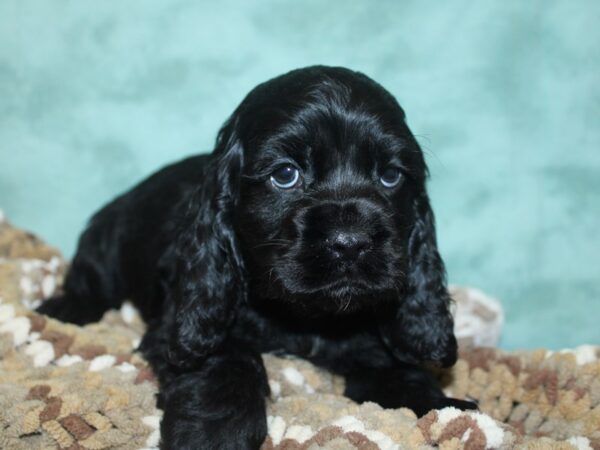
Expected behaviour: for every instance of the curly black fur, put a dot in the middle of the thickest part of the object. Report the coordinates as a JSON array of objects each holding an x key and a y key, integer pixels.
[{"x": 224, "y": 265}]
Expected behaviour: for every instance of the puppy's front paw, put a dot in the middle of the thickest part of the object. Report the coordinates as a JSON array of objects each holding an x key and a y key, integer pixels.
[{"x": 220, "y": 407}]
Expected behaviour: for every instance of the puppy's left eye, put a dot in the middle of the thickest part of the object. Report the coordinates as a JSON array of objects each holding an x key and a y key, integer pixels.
[
  {"x": 286, "y": 177},
  {"x": 391, "y": 177}
]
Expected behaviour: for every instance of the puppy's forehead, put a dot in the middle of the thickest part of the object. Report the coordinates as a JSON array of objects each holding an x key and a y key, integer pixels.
[{"x": 330, "y": 123}]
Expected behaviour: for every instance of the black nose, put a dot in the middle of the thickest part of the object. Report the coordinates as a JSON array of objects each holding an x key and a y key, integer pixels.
[{"x": 349, "y": 245}]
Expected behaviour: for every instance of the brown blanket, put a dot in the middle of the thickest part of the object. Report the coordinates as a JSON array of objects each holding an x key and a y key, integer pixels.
[{"x": 69, "y": 387}]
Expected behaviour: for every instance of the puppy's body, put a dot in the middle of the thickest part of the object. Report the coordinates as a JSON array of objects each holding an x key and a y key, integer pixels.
[
  {"x": 126, "y": 251},
  {"x": 307, "y": 232}
]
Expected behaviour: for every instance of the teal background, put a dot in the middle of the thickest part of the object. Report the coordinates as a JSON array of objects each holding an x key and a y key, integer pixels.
[{"x": 503, "y": 95}]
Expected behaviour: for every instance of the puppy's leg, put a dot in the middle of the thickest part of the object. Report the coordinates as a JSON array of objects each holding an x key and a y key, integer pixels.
[
  {"x": 92, "y": 284},
  {"x": 408, "y": 386},
  {"x": 220, "y": 406}
]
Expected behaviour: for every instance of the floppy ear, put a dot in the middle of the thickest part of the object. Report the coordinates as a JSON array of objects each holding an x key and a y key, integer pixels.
[
  {"x": 421, "y": 329},
  {"x": 209, "y": 280}
]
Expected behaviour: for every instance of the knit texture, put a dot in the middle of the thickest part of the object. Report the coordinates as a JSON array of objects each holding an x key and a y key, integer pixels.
[{"x": 69, "y": 387}]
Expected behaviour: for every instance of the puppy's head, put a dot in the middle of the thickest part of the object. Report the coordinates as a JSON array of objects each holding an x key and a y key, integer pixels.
[
  {"x": 328, "y": 178},
  {"x": 314, "y": 200}
]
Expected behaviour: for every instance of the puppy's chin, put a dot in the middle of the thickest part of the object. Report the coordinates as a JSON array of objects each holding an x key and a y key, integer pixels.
[
  {"x": 349, "y": 298},
  {"x": 345, "y": 297}
]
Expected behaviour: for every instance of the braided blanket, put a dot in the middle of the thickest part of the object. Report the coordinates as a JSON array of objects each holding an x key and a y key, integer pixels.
[{"x": 69, "y": 387}]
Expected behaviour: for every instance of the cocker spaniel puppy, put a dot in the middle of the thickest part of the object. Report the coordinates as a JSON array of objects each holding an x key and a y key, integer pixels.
[{"x": 307, "y": 231}]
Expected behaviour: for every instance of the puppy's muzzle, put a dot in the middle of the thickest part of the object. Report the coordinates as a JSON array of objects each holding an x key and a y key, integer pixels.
[{"x": 342, "y": 235}]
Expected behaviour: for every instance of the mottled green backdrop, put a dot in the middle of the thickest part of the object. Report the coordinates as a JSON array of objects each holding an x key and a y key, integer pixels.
[{"x": 503, "y": 95}]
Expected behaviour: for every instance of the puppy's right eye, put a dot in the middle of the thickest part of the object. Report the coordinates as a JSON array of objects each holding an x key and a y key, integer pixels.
[
  {"x": 391, "y": 177},
  {"x": 286, "y": 177}
]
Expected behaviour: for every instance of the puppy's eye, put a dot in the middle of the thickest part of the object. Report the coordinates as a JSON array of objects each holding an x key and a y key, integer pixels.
[
  {"x": 286, "y": 177},
  {"x": 391, "y": 177}
]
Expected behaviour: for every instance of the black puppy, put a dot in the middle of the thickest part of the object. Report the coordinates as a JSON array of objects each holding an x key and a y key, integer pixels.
[{"x": 307, "y": 231}]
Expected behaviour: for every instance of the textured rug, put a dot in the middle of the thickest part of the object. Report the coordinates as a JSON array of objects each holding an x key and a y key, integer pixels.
[{"x": 69, "y": 387}]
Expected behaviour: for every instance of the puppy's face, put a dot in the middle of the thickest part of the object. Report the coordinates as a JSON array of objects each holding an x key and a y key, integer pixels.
[{"x": 329, "y": 175}]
